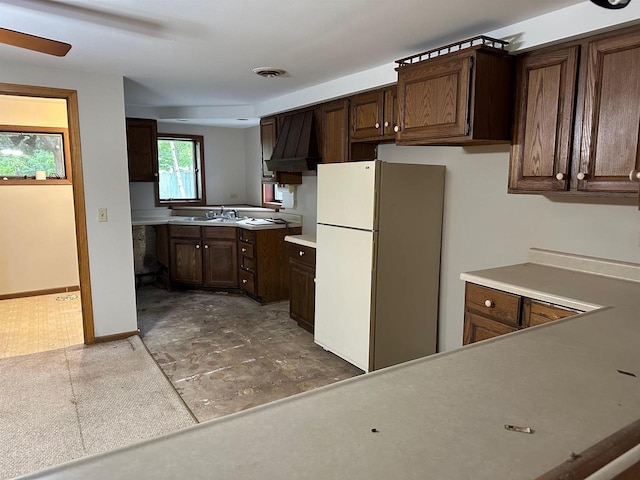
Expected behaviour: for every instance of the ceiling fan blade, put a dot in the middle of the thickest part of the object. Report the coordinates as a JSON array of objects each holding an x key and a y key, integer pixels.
[{"x": 32, "y": 42}]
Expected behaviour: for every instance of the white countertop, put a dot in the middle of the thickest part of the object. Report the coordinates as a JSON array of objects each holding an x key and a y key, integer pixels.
[
  {"x": 249, "y": 223},
  {"x": 306, "y": 240},
  {"x": 439, "y": 417}
]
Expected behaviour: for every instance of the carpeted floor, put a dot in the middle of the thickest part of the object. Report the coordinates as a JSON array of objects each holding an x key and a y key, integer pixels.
[
  {"x": 226, "y": 353},
  {"x": 64, "y": 404}
]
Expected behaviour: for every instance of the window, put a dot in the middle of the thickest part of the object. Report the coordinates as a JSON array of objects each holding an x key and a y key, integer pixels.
[
  {"x": 34, "y": 154},
  {"x": 180, "y": 170},
  {"x": 271, "y": 196}
]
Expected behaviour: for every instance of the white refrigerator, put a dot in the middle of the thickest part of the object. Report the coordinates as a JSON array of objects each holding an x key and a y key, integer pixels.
[{"x": 378, "y": 261}]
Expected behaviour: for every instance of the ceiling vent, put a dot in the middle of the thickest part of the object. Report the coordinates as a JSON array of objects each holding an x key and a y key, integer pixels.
[{"x": 269, "y": 72}]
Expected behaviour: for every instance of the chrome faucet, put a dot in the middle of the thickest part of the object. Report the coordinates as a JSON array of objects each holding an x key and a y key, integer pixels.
[{"x": 222, "y": 210}]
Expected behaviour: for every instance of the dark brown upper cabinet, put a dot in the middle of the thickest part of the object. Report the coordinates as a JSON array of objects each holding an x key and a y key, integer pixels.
[
  {"x": 543, "y": 120},
  {"x": 608, "y": 159},
  {"x": 335, "y": 131},
  {"x": 142, "y": 149},
  {"x": 457, "y": 98},
  {"x": 577, "y": 117},
  {"x": 374, "y": 115},
  {"x": 268, "y": 137}
]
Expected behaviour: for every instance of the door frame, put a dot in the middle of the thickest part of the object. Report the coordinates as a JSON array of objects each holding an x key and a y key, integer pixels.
[{"x": 77, "y": 182}]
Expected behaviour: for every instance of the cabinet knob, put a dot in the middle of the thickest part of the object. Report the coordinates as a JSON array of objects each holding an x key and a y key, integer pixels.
[
  {"x": 244, "y": 280},
  {"x": 560, "y": 176},
  {"x": 377, "y": 125},
  {"x": 197, "y": 246},
  {"x": 155, "y": 174},
  {"x": 386, "y": 124},
  {"x": 244, "y": 250},
  {"x": 488, "y": 303},
  {"x": 634, "y": 175},
  {"x": 206, "y": 246},
  {"x": 301, "y": 253},
  {"x": 581, "y": 176},
  {"x": 396, "y": 129}
]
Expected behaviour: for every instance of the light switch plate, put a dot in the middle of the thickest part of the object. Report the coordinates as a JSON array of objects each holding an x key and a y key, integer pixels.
[{"x": 102, "y": 215}]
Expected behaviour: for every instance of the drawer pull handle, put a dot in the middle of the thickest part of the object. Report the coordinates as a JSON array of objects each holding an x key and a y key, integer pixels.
[
  {"x": 488, "y": 303},
  {"x": 301, "y": 253}
]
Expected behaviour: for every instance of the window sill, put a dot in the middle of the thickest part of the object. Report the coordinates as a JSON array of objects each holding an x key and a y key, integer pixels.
[
  {"x": 275, "y": 205},
  {"x": 31, "y": 181}
]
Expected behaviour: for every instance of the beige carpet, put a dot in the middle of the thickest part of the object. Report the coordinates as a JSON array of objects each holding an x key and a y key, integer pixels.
[{"x": 64, "y": 404}]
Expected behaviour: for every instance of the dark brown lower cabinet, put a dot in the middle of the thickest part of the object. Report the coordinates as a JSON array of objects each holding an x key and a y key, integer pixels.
[
  {"x": 302, "y": 288},
  {"x": 262, "y": 263},
  {"x": 203, "y": 256},
  {"x": 489, "y": 313},
  {"x": 220, "y": 257}
]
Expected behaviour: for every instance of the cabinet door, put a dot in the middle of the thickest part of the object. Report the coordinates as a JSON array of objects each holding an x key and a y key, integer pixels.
[
  {"x": 477, "y": 328},
  {"x": 335, "y": 130},
  {"x": 609, "y": 143},
  {"x": 186, "y": 261},
  {"x": 221, "y": 263},
  {"x": 302, "y": 293},
  {"x": 390, "y": 113},
  {"x": 434, "y": 99},
  {"x": 544, "y": 114},
  {"x": 142, "y": 149},
  {"x": 268, "y": 137},
  {"x": 366, "y": 115}
]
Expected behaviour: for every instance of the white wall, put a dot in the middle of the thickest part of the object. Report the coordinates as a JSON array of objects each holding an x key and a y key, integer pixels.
[
  {"x": 485, "y": 227},
  {"x": 253, "y": 165},
  {"x": 37, "y": 225},
  {"x": 104, "y": 159},
  {"x": 225, "y": 166}
]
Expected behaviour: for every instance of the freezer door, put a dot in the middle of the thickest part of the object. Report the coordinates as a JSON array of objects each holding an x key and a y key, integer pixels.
[
  {"x": 347, "y": 194},
  {"x": 343, "y": 317}
]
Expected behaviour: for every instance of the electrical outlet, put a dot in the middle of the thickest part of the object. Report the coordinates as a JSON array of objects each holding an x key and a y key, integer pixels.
[
  {"x": 234, "y": 195},
  {"x": 102, "y": 215}
]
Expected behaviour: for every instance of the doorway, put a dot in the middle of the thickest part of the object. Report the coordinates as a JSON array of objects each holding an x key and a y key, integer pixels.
[{"x": 68, "y": 300}]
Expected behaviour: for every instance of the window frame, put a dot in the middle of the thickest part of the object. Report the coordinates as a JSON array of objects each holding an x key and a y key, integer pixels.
[
  {"x": 268, "y": 197},
  {"x": 199, "y": 140},
  {"x": 68, "y": 180}
]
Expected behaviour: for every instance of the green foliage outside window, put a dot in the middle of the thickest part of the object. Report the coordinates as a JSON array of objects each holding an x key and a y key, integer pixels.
[{"x": 22, "y": 154}]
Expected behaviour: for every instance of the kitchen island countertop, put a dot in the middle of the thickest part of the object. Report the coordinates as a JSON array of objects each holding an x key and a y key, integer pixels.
[{"x": 440, "y": 417}]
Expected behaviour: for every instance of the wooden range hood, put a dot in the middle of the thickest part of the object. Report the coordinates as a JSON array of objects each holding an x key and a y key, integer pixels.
[{"x": 296, "y": 149}]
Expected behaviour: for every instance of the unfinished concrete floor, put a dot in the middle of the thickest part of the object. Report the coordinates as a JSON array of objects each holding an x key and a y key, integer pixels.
[{"x": 225, "y": 353}]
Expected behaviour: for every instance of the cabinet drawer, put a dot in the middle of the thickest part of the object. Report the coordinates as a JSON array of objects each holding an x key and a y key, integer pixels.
[
  {"x": 501, "y": 306},
  {"x": 246, "y": 250},
  {"x": 537, "y": 313},
  {"x": 184, "y": 231},
  {"x": 220, "y": 232},
  {"x": 247, "y": 236},
  {"x": 247, "y": 282},
  {"x": 302, "y": 254},
  {"x": 248, "y": 264}
]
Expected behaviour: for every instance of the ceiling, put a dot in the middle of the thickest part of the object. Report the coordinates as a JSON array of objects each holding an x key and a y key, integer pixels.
[{"x": 200, "y": 53}]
